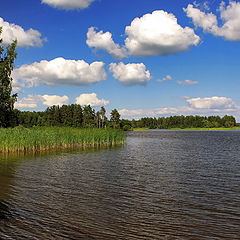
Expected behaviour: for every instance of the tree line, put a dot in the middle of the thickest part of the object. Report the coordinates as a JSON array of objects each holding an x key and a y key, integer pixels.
[
  {"x": 181, "y": 122},
  {"x": 73, "y": 115}
]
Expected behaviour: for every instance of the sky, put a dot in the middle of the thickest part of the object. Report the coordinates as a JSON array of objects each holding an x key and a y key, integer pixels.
[{"x": 143, "y": 57}]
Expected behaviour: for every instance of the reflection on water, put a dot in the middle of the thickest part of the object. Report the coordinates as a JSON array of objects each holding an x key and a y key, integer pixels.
[{"x": 161, "y": 185}]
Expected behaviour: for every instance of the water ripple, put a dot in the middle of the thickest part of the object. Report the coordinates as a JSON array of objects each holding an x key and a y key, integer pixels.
[{"x": 161, "y": 185}]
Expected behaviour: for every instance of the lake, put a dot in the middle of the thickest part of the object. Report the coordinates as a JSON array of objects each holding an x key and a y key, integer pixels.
[{"x": 175, "y": 185}]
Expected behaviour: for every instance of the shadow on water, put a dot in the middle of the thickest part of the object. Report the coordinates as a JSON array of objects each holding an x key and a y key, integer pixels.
[
  {"x": 30, "y": 155},
  {"x": 5, "y": 212}
]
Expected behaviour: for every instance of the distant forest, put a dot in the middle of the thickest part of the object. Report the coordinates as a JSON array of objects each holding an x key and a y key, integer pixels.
[
  {"x": 184, "y": 122},
  {"x": 86, "y": 117},
  {"x": 72, "y": 115}
]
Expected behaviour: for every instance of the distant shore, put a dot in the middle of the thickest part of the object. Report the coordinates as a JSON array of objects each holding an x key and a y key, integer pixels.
[
  {"x": 187, "y": 129},
  {"x": 204, "y": 129}
]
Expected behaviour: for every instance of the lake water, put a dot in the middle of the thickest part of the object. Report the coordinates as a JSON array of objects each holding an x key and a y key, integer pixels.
[{"x": 160, "y": 185}]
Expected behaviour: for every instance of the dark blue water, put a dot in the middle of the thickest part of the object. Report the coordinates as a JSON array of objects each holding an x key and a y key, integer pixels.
[{"x": 160, "y": 185}]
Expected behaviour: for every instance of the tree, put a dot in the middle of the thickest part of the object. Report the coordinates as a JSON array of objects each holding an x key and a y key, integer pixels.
[
  {"x": 89, "y": 117},
  {"x": 7, "y": 100},
  {"x": 102, "y": 113},
  {"x": 115, "y": 119},
  {"x": 77, "y": 115},
  {"x": 229, "y": 121}
]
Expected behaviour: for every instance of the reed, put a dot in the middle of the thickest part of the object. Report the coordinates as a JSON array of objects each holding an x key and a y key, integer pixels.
[{"x": 39, "y": 139}]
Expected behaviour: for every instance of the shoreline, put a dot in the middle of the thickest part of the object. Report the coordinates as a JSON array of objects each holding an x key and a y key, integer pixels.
[
  {"x": 70, "y": 147},
  {"x": 205, "y": 129},
  {"x": 187, "y": 129}
]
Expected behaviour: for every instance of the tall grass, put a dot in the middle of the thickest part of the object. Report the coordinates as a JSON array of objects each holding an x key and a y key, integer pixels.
[{"x": 38, "y": 139}]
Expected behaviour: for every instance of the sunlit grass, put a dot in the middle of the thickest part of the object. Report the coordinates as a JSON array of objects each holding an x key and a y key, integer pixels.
[
  {"x": 141, "y": 129},
  {"x": 39, "y": 139}
]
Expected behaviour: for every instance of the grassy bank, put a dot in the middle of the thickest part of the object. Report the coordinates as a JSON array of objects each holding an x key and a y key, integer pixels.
[
  {"x": 38, "y": 139},
  {"x": 204, "y": 129},
  {"x": 140, "y": 129}
]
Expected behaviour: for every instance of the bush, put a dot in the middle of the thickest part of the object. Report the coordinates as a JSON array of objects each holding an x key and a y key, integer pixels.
[{"x": 127, "y": 128}]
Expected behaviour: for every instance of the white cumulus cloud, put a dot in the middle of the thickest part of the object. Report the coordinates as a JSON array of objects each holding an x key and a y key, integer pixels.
[
  {"x": 68, "y": 4},
  {"x": 104, "y": 41},
  {"x": 11, "y": 32},
  {"x": 158, "y": 33},
  {"x": 31, "y": 101},
  {"x": 195, "y": 106},
  {"x": 60, "y": 71},
  {"x": 154, "y": 34},
  {"x": 138, "y": 113},
  {"x": 230, "y": 16},
  {"x": 211, "y": 103},
  {"x": 91, "y": 99},
  {"x": 130, "y": 74},
  {"x": 34, "y": 101},
  {"x": 50, "y": 100},
  {"x": 187, "y": 82}
]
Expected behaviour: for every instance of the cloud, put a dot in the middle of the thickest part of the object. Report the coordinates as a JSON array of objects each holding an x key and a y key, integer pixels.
[
  {"x": 138, "y": 113},
  {"x": 17, "y": 86},
  {"x": 50, "y": 100},
  {"x": 68, "y": 4},
  {"x": 130, "y": 74},
  {"x": 34, "y": 101},
  {"x": 60, "y": 71},
  {"x": 207, "y": 21},
  {"x": 154, "y": 34},
  {"x": 211, "y": 103},
  {"x": 187, "y": 82},
  {"x": 91, "y": 99},
  {"x": 230, "y": 16},
  {"x": 195, "y": 106},
  {"x": 31, "y": 101},
  {"x": 166, "y": 79},
  {"x": 158, "y": 34},
  {"x": 202, "y": 5},
  {"x": 104, "y": 41},
  {"x": 11, "y": 32}
]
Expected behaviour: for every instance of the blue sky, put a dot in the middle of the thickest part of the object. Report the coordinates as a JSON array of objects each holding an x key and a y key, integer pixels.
[{"x": 118, "y": 54}]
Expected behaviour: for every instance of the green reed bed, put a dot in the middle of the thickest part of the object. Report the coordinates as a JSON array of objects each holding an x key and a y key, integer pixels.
[{"x": 38, "y": 139}]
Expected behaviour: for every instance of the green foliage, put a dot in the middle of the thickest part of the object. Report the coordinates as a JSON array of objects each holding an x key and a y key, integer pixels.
[
  {"x": 66, "y": 116},
  {"x": 85, "y": 117},
  {"x": 101, "y": 118},
  {"x": 89, "y": 117},
  {"x": 140, "y": 129},
  {"x": 36, "y": 139},
  {"x": 127, "y": 128},
  {"x": 7, "y": 100},
  {"x": 115, "y": 119},
  {"x": 72, "y": 115},
  {"x": 182, "y": 122}
]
